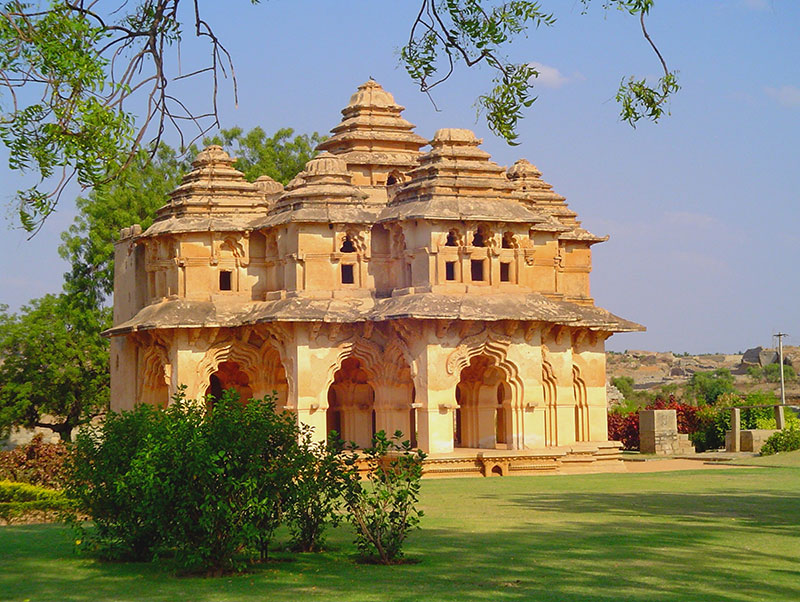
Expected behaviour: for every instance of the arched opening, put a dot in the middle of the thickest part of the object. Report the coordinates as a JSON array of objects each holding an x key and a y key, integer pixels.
[
  {"x": 483, "y": 419},
  {"x": 479, "y": 238},
  {"x": 452, "y": 239},
  {"x": 229, "y": 376},
  {"x": 581, "y": 406},
  {"x": 353, "y": 404},
  {"x": 497, "y": 470},
  {"x": 348, "y": 246},
  {"x": 508, "y": 241},
  {"x": 394, "y": 178},
  {"x": 501, "y": 422},
  {"x": 412, "y": 418}
]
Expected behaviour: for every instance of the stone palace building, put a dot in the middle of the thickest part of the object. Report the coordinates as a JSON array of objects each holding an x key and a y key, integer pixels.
[{"x": 384, "y": 288}]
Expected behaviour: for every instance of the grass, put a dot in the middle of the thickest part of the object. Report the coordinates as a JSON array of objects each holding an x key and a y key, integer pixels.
[
  {"x": 719, "y": 535},
  {"x": 779, "y": 460}
]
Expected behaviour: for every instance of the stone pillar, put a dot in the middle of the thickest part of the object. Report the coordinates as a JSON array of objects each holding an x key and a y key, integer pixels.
[
  {"x": 658, "y": 432},
  {"x": 780, "y": 418},
  {"x": 733, "y": 437}
]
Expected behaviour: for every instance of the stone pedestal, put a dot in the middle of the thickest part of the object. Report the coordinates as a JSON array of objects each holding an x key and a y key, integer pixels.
[{"x": 658, "y": 433}]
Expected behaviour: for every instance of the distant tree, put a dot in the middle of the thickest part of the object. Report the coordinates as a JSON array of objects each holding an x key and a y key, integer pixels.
[
  {"x": 280, "y": 156},
  {"x": 706, "y": 387},
  {"x": 53, "y": 365},
  {"x": 132, "y": 198},
  {"x": 624, "y": 385}
]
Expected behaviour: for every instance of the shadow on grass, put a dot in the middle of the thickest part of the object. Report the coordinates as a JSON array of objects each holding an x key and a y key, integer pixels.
[{"x": 726, "y": 546}]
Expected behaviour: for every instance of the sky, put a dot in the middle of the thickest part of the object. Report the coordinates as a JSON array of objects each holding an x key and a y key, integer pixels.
[{"x": 702, "y": 208}]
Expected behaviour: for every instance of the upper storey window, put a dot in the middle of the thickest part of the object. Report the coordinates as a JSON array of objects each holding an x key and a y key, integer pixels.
[
  {"x": 452, "y": 239},
  {"x": 348, "y": 246},
  {"x": 508, "y": 241},
  {"x": 225, "y": 281},
  {"x": 479, "y": 240}
]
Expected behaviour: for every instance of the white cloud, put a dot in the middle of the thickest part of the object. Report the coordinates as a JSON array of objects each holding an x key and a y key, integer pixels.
[
  {"x": 550, "y": 77},
  {"x": 787, "y": 96}
]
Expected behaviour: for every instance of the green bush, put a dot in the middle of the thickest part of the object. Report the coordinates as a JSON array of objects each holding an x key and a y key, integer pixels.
[
  {"x": 110, "y": 481},
  {"x": 208, "y": 487},
  {"x": 787, "y": 439},
  {"x": 20, "y": 501},
  {"x": 714, "y": 421},
  {"x": 707, "y": 387},
  {"x": 384, "y": 509},
  {"x": 772, "y": 373},
  {"x": 316, "y": 492},
  {"x": 756, "y": 373}
]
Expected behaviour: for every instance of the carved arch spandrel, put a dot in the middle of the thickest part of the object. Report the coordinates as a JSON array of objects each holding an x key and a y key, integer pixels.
[
  {"x": 263, "y": 365},
  {"x": 495, "y": 346},
  {"x": 156, "y": 375}
]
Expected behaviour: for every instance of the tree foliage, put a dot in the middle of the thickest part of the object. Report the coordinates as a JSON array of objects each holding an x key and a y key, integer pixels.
[
  {"x": 132, "y": 198},
  {"x": 280, "y": 156},
  {"x": 706, "y": 387},
  {"x": 70, "y": 70},
  {"x": 54, "y": 370}
]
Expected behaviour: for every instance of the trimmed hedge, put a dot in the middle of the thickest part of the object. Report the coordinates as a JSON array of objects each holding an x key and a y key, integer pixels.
[{"x": 22, "y": 501}]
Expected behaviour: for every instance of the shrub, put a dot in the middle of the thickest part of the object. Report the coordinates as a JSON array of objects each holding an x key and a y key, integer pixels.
[
  {"x": 756, "y": 373},
  {"x": 624, "y": 385},
  {"x": 316, "y": 492},
  {"x": 110, "y": 481},
  {"x": 22, "y": 501},
  {"x": 787, "y": 439},
  {"x": 772, "y": 373},
  {"x": 204, "y": 486},
  {"x": 624, "y": 428},
  {"x": 36, "y": 463},
  {"x": 706, "y": 387},
  {"x": 384, "y": 511}
]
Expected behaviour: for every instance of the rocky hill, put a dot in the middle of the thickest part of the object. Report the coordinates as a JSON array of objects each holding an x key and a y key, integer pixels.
[{"x": 652, "y": 368}]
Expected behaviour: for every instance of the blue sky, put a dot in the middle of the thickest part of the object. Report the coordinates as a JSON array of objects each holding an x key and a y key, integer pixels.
[{"x": 702, "y": 208}]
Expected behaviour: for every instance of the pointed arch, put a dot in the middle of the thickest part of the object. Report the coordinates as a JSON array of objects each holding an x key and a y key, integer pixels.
[
  {"x": 550, "y": 396},
  {"x": 581, "y": 405}
]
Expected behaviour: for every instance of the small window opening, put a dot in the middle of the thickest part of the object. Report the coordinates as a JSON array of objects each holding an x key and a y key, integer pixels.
[
  {"x": 477, "y": 270},
  {"x": 450, "y": 270},
  {"x": 225, "y": 280},
  {"x": 479, "y": 240},
  {"x": 508, "y": 240},
  {"x": 348, "y": 246},
  {"x": 391, "y": 180},
  {"x": 505, "y": 272},
  {"x": 348, "y": 277},
  {"x": 452, "y": 239}
]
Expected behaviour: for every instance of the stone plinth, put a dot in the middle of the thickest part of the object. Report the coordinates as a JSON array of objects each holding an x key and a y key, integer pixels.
[
  {"x": 658, "y": 433},
  {"x": 753, "y": 439}
]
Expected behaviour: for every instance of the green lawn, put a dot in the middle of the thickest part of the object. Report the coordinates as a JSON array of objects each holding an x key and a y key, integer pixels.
[{"x": 696, "y": 535}]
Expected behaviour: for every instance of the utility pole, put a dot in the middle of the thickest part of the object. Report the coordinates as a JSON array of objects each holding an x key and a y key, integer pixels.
[{"x": 780, "y": 336}]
